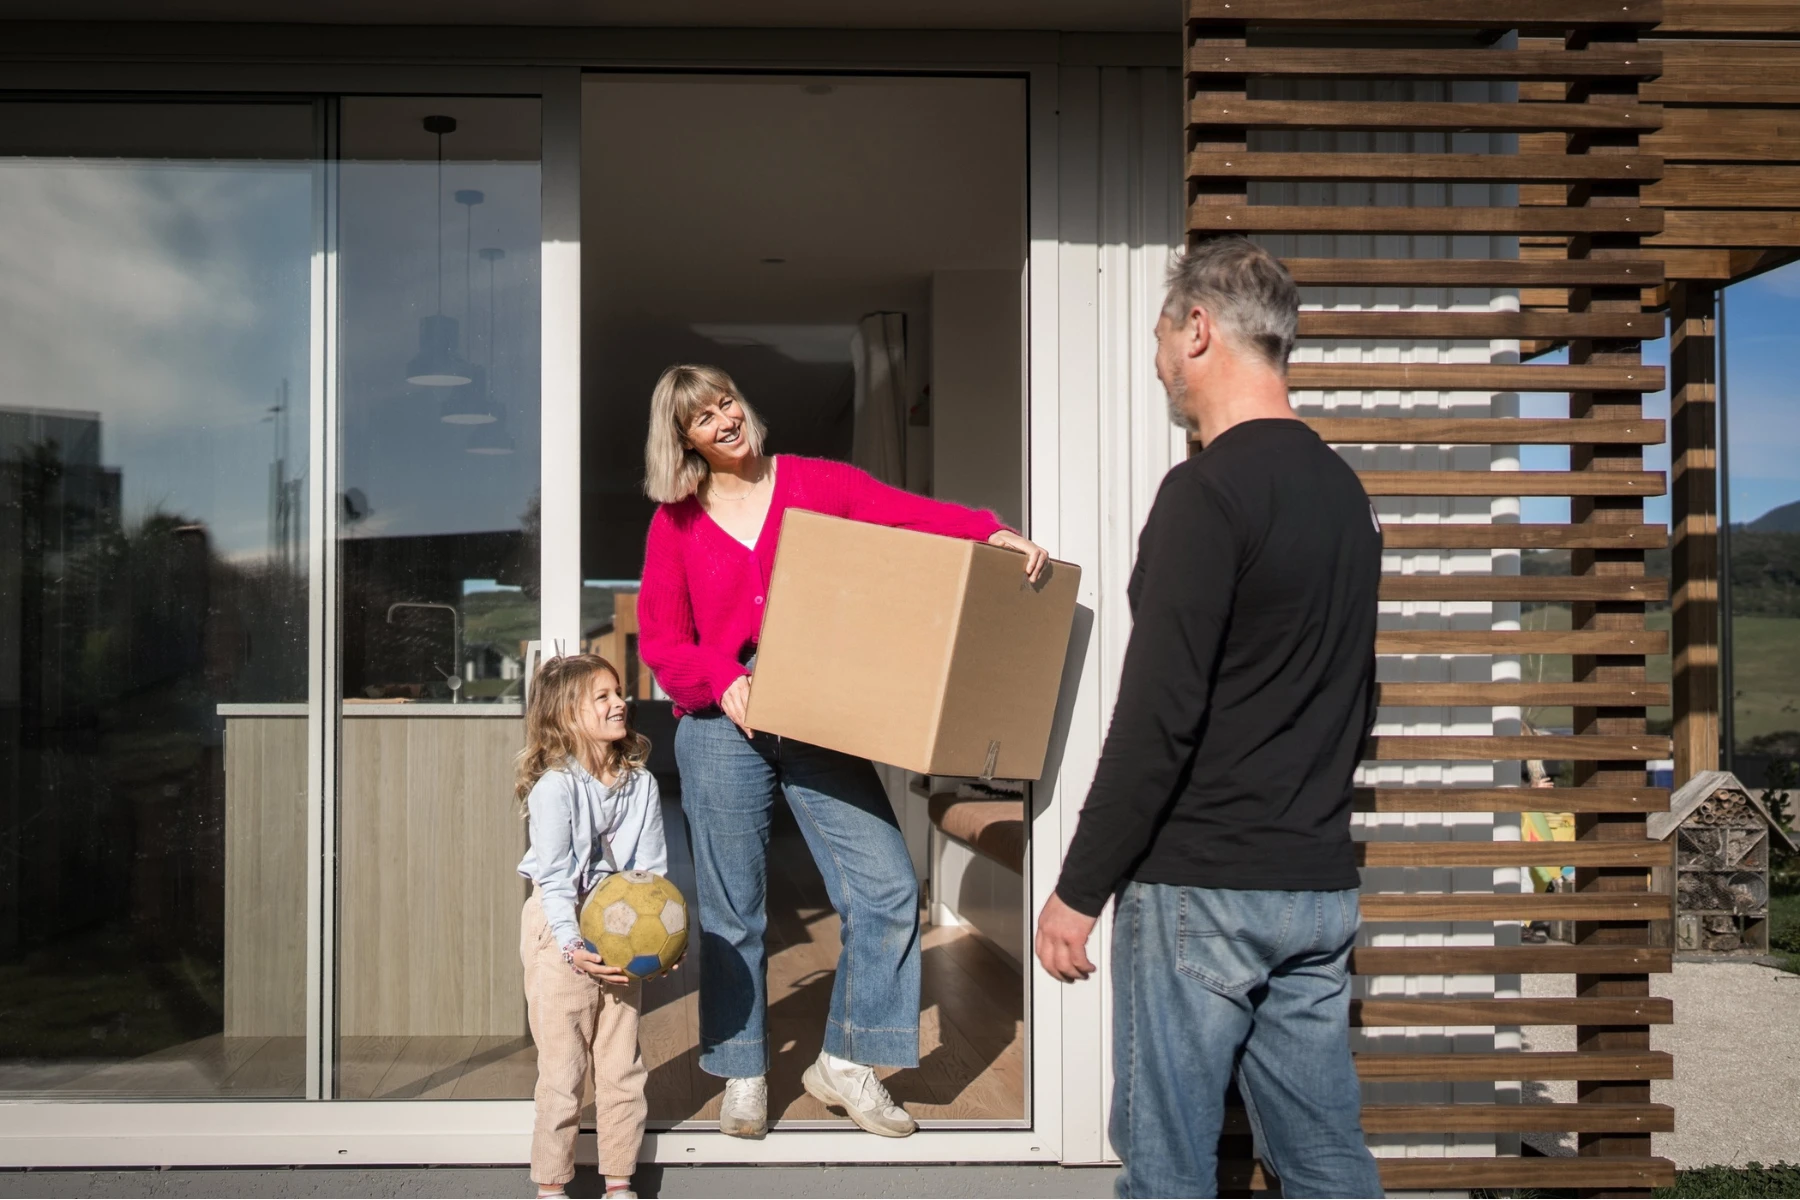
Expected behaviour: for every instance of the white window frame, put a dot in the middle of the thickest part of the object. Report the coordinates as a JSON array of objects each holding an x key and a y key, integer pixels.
[{"x": 49, "y": 1133}]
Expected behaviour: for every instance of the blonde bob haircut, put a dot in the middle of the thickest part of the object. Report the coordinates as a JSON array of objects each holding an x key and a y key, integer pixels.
[{"x": 673, "y": 470}]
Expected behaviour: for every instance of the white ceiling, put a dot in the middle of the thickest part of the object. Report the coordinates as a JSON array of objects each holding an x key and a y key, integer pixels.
[
  {"x": 862, "y": 185},
  {"x": 1085, "y": 15}
]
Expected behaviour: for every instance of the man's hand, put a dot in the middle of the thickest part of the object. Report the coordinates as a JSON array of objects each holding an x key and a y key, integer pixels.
[{"x": 1062, "y": 936}]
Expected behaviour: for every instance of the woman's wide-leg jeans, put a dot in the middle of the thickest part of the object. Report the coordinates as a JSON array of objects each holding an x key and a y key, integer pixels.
[{"x": 728, "y": 786}]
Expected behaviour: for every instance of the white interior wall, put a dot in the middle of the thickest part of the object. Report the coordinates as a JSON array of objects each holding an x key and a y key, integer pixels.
[
  {"x": 977, "y": 418},
  {"x": 1416, "y": 615}
]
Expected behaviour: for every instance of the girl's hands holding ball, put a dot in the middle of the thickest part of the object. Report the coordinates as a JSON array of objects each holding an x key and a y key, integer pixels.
[{"x": 585, "y": 962}]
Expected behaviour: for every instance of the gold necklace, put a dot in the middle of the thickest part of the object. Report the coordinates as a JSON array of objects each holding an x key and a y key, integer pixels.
[{"x": 713, "y": 488}]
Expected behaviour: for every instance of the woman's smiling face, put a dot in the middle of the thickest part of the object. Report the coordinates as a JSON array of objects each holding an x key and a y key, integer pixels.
[{"x": 717, "y": 432}]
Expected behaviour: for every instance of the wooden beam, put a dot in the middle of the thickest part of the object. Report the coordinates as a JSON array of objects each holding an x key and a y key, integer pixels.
[
  {"x": 1730, "y": 16},
  {"x": 1391, "y": 324},
  {"x": 1521, "y": 641},
  {"x": 1397, "y": 116},
  {"x": 1461, "y": 14},
  {"x": 1518, "y": 1118},
  {"x": 1483, "y": 431},
  {"x": 1507, "y": 694},
  {"x": 1349, "y": 218},
  {"x": 1473, "y": 272},
  {"x": 1374, "y": 1014},
  {"x": 1511, "y": 960},
  {"x": 1718, "y": 134},
  {"x": 1458, "y": 168},
  {"x": 1476, "y": 1067},
  {"x": 1565, "y": 799},
  {"x": 1476, "y": 377},
  {"x": 1387, "y": 62},
  {"x": 1728, "y": 227},
  {"x": 1444, "y": 536},
  {"x": 1724, "y": 185},
  {"x": 1644, "y": 854},
  {"x": 1455, "y": 748},
  {"x": 1568, "y": 589},
  {"x": 1457, "y": 1172},
  {"x": 1512, "y": 483},
  {"x": 1726, "y": 72}
]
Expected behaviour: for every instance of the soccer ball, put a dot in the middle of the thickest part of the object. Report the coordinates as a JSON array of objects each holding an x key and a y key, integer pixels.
[{"x": 636, "y": 921}]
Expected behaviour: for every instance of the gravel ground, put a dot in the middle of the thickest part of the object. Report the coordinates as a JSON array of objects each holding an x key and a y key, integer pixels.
[{"x": 1736, "y": 1042}]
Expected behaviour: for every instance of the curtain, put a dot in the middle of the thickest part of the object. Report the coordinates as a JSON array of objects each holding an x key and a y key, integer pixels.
[{"x": 878, "y": 444}]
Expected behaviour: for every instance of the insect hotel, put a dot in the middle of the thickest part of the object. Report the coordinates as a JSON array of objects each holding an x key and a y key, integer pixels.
[{"x": 1721, "y": 832}]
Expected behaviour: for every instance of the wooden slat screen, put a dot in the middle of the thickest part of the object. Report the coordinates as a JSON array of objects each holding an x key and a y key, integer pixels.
[{"x": 1261, "y": 72}]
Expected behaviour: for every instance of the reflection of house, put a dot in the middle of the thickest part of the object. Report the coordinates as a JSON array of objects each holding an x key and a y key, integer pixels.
[{"x": 616, "y": 640}]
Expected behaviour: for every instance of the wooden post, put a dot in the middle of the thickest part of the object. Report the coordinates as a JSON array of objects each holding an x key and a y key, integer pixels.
[{"x": 1694, "y": 526}]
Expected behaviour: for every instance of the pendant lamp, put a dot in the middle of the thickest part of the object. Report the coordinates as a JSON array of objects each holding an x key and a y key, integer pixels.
[
  {"x": 437, "y": 364},
  {"x": 470, "y": 405},
  {"x": 492, "y": 438}
]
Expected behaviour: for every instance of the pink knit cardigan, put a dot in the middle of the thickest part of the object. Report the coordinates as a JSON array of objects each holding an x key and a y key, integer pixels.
[{"x": 701, "y": 608}]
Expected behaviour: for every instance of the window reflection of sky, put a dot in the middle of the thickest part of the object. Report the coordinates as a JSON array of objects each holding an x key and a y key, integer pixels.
[
  {"x": 170, "y": 299},
  {"x": 414, "y": 468},
  {"x": 1762, "y": 330}
]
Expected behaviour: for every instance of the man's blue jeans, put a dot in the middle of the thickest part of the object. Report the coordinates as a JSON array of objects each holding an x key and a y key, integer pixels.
[
  {"x": 1210, "y": 983},
  {"x": 728, "y": 785}
]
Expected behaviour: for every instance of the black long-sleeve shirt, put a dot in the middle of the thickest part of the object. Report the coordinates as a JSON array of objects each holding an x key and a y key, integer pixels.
[{"x": 1249, "y": 681}]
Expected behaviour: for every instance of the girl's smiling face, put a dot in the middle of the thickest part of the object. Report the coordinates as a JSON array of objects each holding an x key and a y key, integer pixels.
[
  {"x": 717, "y": 432},
  {"x": 603, "y": 709}
]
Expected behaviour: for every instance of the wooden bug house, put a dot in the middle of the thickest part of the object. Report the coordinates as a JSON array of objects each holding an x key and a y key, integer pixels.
[{"x": 1720, "y": 880}]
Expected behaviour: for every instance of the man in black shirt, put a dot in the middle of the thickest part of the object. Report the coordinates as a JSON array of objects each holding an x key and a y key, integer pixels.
[{"x": 1219, "y": 816}]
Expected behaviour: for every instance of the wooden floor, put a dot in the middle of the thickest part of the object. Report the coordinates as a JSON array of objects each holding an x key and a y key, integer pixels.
[{"x": 971, "y": 1039}]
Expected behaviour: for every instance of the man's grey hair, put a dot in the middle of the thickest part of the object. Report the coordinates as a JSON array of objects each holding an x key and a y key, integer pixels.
[{"x": 1243, "y": 288}]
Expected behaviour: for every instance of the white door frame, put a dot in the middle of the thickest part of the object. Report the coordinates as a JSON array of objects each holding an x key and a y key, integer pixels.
[{"x": 321, "y": 1132}]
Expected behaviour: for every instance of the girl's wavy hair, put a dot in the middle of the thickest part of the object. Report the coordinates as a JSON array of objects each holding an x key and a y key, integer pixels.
[
  {"x": 673, "y": 471},
  {"x": 553, "y": 726}
]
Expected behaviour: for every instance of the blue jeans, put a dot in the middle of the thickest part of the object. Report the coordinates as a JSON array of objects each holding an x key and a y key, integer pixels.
[
  {"x": 728, "y": 786},
  {"x": 1210, "y": 983}
]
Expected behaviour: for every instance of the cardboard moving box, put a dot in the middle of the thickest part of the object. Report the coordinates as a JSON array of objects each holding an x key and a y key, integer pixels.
[{"x": 930, "y": 653}]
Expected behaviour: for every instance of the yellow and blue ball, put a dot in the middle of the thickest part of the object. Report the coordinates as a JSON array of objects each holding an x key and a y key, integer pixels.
[{"x": 636, "y": 921}]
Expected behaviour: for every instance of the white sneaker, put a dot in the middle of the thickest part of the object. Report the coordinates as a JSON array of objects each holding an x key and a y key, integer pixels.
[
  {"x": 745, "y": 1110},
  {"x": 860, "y": 1094}
]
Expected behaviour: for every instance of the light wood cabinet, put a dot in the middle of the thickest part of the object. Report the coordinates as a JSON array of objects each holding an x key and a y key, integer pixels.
[{"x": 429, "y": 845}]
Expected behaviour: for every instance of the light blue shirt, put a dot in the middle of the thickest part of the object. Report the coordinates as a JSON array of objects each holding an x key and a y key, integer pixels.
[{"x": 574, "y": 821}]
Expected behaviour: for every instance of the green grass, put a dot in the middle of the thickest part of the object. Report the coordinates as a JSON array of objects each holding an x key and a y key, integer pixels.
[
  {"x": 1555, "y": 668},
  {"x": 1751, "y": 1180},
  {"x": 1766, "y": 675},
  {"x": 1784, "y": 932}
]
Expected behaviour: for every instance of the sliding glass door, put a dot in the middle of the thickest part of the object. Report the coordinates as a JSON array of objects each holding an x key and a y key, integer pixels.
[
  {"x": 157, "y": 382},
  {"x": 438, "y": 235},
  {"x": 269, "y": 431}
]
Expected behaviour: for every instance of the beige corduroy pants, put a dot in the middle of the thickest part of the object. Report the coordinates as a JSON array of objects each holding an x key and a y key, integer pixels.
[{"x": 577, "y": 1025}]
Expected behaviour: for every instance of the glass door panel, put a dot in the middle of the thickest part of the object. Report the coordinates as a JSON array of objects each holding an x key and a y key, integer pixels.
[
  {"x": 156, "y": 319},
  {"x": 439, "y": 232}
]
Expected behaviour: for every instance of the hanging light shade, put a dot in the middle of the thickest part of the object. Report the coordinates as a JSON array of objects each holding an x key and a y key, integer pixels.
[
  {"x": 437, "y": 364},
  {"x": 490, "y": 439},
  {"x": 470, "y": 405}
]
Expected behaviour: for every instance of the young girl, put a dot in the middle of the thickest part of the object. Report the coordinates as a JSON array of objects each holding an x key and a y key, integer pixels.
[{"x": 593, "y": 809}]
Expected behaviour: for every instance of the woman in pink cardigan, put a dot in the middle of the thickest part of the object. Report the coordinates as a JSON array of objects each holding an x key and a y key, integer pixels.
[{"x": 707, "y": 564}]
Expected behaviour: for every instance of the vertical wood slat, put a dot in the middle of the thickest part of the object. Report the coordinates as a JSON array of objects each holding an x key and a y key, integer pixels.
[
  {"x": 1608, "y": 616},
  {"x": 1597, "y": 555}
]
